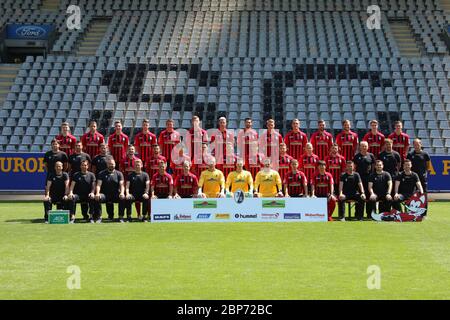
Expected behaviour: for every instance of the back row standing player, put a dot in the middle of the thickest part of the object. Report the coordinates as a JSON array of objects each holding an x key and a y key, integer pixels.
[
  {"x": 347, "y": 141},
  {"x": 92, "y": 140},
  {"x": 296, "y": 140},
  {"x": 144, "y": 142},
  {"x": 321, "y": 141},
  {"x": 66, "y": 140},
  {"x": 118, "y": 144},
  {"x": 375, "y": 139}
]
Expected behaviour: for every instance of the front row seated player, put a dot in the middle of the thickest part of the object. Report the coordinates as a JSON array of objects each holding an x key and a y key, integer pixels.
[
  {"x": 322, "y": 187},
  {"x": 186, "y": 184},
  {"x": 295, "y": 183},
  {"x": 110, "y": 189},
  {"x": 351, "y": 188},
  {"x": 406, "y": 184},
  {"x": 55, "y": 190},
  {"x": 161, "y": 185},
  {"x": 239, "y": 179},
  {"x": 137, "y": 190},
  {"x": 212, "y": 182},
  {"x": 380, "y": 188},
  {"x": 82, "y": 189},
  {"x": 267, "y": 182}
]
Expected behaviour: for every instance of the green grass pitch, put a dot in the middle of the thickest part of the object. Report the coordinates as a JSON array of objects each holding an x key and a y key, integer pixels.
[{"x": 223, "y": 260}]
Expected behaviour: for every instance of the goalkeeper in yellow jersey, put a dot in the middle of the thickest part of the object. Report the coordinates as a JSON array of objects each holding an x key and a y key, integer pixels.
[
  {"x": 212, "y": 182},
  {"x": 239, "y": 179},
  {"x": 268, "y": 182}
]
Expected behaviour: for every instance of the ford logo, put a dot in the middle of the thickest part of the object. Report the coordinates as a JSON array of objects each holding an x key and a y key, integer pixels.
[{"x": 30, "y": 32}]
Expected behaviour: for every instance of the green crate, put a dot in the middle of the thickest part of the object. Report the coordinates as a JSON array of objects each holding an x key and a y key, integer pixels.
[{"x": 58, "y": 217}]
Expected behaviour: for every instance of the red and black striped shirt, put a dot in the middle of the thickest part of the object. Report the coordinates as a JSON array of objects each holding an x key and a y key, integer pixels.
[
  {"x": 118, "y": 145},
  {"x": 269, "y": 143},
  {"x": 254, "y": 165},
  {"x": 284, "y": 163},
  {"x": 219, "y": 140},
  {"x": 321, "y": 142},
  {"x": 177, "y": 165},
  {"x": 152, "y": 165},
  {"x": 161, "y": 184},
  {"x": 198, "y": 137},
  {"x": 127, "y": 165},
  {"x": 197, "y": 168},
  {"x": 322, "y": 184},
  {"x": 186, "y": 185},
  {"x": 167, "y": 141},
  {"x": 348, "y": 144},
  {"x": 228, "y": 165},
  {"x": 336, "y": 166},
  {"x": 400, "y": 143},
  {"x": 91, "y": 143},
  {"x": 295, "y": 142},
  {"x": 294, "y": 181},
  {"x": 376, "y": 143},
  {"x": 308, "y": 164},
  {"x": 244, "y": 140},
  {"x": 67, "y": 143},
  {"x": 143, "y": 143}
]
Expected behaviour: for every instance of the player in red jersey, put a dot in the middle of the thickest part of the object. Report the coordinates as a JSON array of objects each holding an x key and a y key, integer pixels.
[
  {"x": 168, "y": 138},
  {"x": 161, "y": 186},
  {"x": 186, "y": 184},
  {"x": 375, "y": 139},
  {"x": 335, "y": 165},
  {"x": 400, "y": 140},
  {"x": 321, "y": 140},
  {"x": 92, "y": 140},
  {"x": 308, "y": 163},
  {"x": 229, "y": 163},
  {"x": 296, "y": 140},
  {"x": 245, "y": 138},
  {"x": 284, "y": 161},
  {"x": 66, "y": 141},
  {"x": 269, "y": 141},
  {"x": 347, "y": 141},
  {"x": 202, "y": 162},
  {"x": 128, "y": 163},
  {"x": 144, "y": 141},
  {"x": 255, "y": 161},
  {"x": 177, "y": 163},
  {"x": 197, "y": 136},
  {"x": 152, "y": 165},
  {"x": 323, "y": 187},
  {"x": 118, "y": 143},
  {"x": 219, "y": 140},
  {"x": 295, "y": 183}
]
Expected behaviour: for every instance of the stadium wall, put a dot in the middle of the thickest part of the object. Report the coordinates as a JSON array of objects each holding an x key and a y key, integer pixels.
[{"x": 26, "y": 172}]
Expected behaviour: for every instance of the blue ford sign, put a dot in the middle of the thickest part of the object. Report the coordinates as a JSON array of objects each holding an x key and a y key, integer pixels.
[{"x": 29, "y": 32}]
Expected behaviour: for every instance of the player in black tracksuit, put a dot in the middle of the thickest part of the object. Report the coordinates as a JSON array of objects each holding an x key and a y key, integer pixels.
[
  {"x": 53, "y": 156},
  {"x": 380, "y": 188},
  {"x": 110, "y": 189},
  {"x": 351, "y": 188},
  {"x": 76, "y": 158},
  {"x": 82, "y": 189},
  {"x": 137, "y": 190},
  {"x": 406, "y": 184},
  {"x": 99, "y": 161},
  {"x": 420, "y": 161},
  {"x": 56, "y": 188},
  {"x": 365, "y": 164},
  {"x": 392, "y": 160}
]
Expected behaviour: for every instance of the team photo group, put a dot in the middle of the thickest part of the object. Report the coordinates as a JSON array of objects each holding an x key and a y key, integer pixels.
[{"x": 377, "y": 173}]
